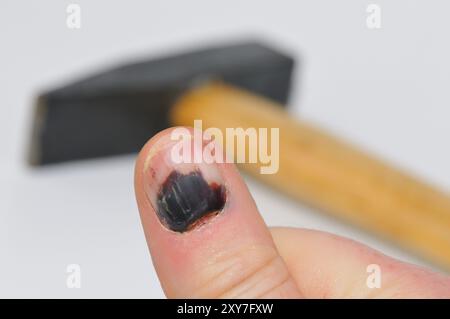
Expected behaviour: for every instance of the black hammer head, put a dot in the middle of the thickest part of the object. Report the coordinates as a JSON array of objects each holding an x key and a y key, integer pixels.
[{"x": 118, "y": 110}]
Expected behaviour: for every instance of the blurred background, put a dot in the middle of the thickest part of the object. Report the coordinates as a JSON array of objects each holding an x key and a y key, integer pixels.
[{"x": 385, "y": 90}]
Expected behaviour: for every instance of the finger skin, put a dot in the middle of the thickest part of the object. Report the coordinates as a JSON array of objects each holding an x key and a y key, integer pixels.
[
  {"x": 329, "y": 266},
  {"x": 230, "y": 255}
]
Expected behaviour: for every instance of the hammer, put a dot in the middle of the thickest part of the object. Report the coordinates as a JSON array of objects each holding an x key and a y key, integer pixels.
[{"x": 242, "y": 85}]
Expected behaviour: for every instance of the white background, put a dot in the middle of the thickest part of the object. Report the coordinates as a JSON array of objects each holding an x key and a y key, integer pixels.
[{"x": 386, "y": 90}]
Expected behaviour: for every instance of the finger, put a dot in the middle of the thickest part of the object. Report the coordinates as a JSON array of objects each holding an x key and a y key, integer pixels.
[
  {"x": 325, "y": 265},
  {"x": 203, "y": 229}
]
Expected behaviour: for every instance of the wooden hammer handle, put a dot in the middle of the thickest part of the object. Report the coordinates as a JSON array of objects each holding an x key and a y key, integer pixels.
[{"x": 330, "y": 174}]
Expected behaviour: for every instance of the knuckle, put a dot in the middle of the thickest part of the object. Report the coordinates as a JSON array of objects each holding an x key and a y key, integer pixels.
[{"x": 250, "y": 271}]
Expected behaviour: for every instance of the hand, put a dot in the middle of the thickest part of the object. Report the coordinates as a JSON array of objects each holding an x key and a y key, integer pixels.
[{"x": 207, "y": 239}]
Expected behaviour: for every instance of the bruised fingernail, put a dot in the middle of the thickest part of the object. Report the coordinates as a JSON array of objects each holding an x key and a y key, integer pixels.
[
  {"x": 184, "y": 196},
  {"x": 185, "y": 199}
]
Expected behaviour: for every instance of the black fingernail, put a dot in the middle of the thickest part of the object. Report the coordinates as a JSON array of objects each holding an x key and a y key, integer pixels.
[{"x": 183, "y": 201}]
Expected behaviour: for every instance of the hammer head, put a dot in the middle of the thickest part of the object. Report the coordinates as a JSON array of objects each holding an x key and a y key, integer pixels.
[{"x": 118, "y": 110}]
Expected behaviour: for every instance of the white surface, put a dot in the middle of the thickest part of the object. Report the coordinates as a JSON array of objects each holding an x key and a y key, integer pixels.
[{"x": 385, "y": 89}]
